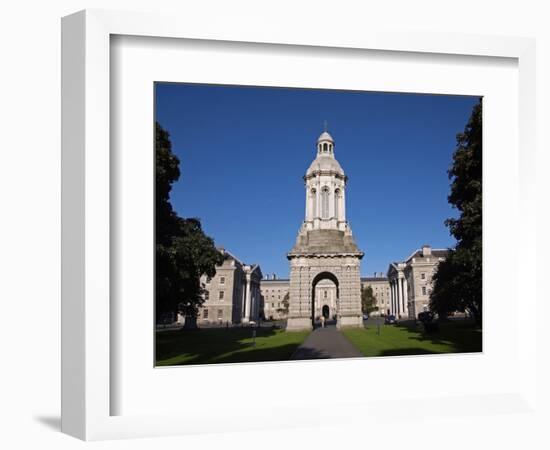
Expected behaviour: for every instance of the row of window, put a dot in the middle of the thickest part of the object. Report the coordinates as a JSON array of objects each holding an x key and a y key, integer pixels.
[
  {"x": 273, "y": 304},
  {"x": 221, "y": 280},
  {"x": 206, "y": 312},
  {"x": 221, "y": 295}
]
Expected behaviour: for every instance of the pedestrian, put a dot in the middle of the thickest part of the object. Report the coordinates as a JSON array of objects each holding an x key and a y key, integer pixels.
[{"x": 322, "y": 320}]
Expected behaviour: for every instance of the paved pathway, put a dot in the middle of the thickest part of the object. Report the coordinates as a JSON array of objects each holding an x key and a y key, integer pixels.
[{"x": 325, "y": 343}]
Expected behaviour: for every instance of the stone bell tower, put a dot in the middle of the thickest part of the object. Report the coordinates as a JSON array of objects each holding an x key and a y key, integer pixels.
[{"x": 325, "y": 248}]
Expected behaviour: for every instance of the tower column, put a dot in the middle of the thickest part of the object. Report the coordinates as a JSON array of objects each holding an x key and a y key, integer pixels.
[
  {"x": 247, "y": 300},
  {"x": 406, "y": 297},
  {"x": 391, "y": 297},
  {"x": 343, "y": 204},
  {"x": 397, "y": 298},
  {"x": 308, "y": 202}
]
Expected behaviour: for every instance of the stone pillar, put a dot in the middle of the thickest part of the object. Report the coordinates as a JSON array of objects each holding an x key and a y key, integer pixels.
[
  {"x": 331, "y": 201},
  {"x": 252, "y": 301},
  {"x": 399, "y": 296},
  {"x": 243, "y": 298},
  {"x": 318, "y": 199},
  {"x": 247, "y": 300},
  {"x": 349, "y": 279},
  {"x": 406, "y": 297},
  {"x": 342, "y": 208},
  {"x": 299, "y": 309},
  {"x": 392, "y": 298},
  {"x": 395, "y": 299},
  {"x": 308, "y": 195}
]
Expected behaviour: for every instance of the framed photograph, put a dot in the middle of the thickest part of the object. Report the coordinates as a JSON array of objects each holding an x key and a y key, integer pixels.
[{"x": 255, "y": 222}]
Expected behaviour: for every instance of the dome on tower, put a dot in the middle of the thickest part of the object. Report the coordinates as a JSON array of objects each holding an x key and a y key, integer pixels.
[
  {"x": 325, "y": 164},
  {"x": 325, "y": 136}
]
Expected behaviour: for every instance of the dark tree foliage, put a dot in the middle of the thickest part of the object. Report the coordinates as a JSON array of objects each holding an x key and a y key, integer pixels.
[
  {"x": 368, "y": 300},
  {"x": 183, "y": 251},
  {"x": 457, "y": 281}
]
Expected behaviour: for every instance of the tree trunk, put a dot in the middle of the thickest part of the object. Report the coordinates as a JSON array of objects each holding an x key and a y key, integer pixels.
[{"x": 190, "y": 323}]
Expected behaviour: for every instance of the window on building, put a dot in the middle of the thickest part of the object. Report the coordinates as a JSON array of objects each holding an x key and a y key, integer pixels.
[
  {"x": 205, "y": 313},
  {"x": 423, "y": 276},
  {"x": 423, "y": 290},
  {"x": 325, "y": 294},
  {"x": 324, "y": 203},
  {"x": 221, "y": 294},
  {"x": 206, "y": 295},
  {"x": 220, "y": 314},
  {"x": 273, "y": 305},
  {"x": 222, "y": 280}
]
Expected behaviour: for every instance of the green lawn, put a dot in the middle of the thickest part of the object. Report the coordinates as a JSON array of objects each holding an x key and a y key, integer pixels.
[
  {"x": 220, "y": 345},
  {"x": 409, "y": 339}
]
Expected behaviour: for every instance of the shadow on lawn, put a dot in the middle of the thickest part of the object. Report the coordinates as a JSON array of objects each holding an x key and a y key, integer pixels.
[
  {"x": 462, "y": 336},
  {"x": 308, "y": 353},
  {"x": 218, "y": 346},
  {"x": 407, "y": 352}
]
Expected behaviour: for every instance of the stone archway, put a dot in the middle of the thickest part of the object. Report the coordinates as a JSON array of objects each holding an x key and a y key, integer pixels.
[
  {"x": 315, "y": 310},
  {"x": 308, "y": 270}
]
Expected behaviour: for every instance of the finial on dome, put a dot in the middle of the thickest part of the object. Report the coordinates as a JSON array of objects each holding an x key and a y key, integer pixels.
[{"x": 325, "y": 125}]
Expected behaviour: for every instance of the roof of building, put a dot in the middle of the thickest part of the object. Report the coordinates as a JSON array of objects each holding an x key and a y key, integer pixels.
[
  {"x": 436, "y": 252},
  {"x": 228, "y": 254},
  {"x": 374, "y": 278},
  {"x": 276, "y": 280}
]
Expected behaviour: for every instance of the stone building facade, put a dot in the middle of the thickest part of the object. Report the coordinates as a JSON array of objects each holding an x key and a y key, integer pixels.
[
  {"x": 411, "y": 282},
  {"x": 273, "y": 291},
  {"x": 381, "y": 291},
  {"x": 233, "y": 294},
  {"x": 325, "y": 248}
]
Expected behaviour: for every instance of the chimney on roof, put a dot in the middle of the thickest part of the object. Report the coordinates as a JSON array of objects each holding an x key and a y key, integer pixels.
[{"x": 426, "y": 250}]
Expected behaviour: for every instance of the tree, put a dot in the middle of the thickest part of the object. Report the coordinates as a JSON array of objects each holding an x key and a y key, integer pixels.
[
  {"x": 284, "y": 310},
  {"x": 458, "y": 279},
  {"x": 183, "y": 251},
  {"x": 368, "y": 300}
]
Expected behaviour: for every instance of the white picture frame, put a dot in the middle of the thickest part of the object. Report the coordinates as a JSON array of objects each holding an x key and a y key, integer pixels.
[{"x": 86, "y": 217}]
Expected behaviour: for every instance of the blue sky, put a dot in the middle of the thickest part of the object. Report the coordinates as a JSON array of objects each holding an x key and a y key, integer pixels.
[{"x": 244, "y": 150}]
